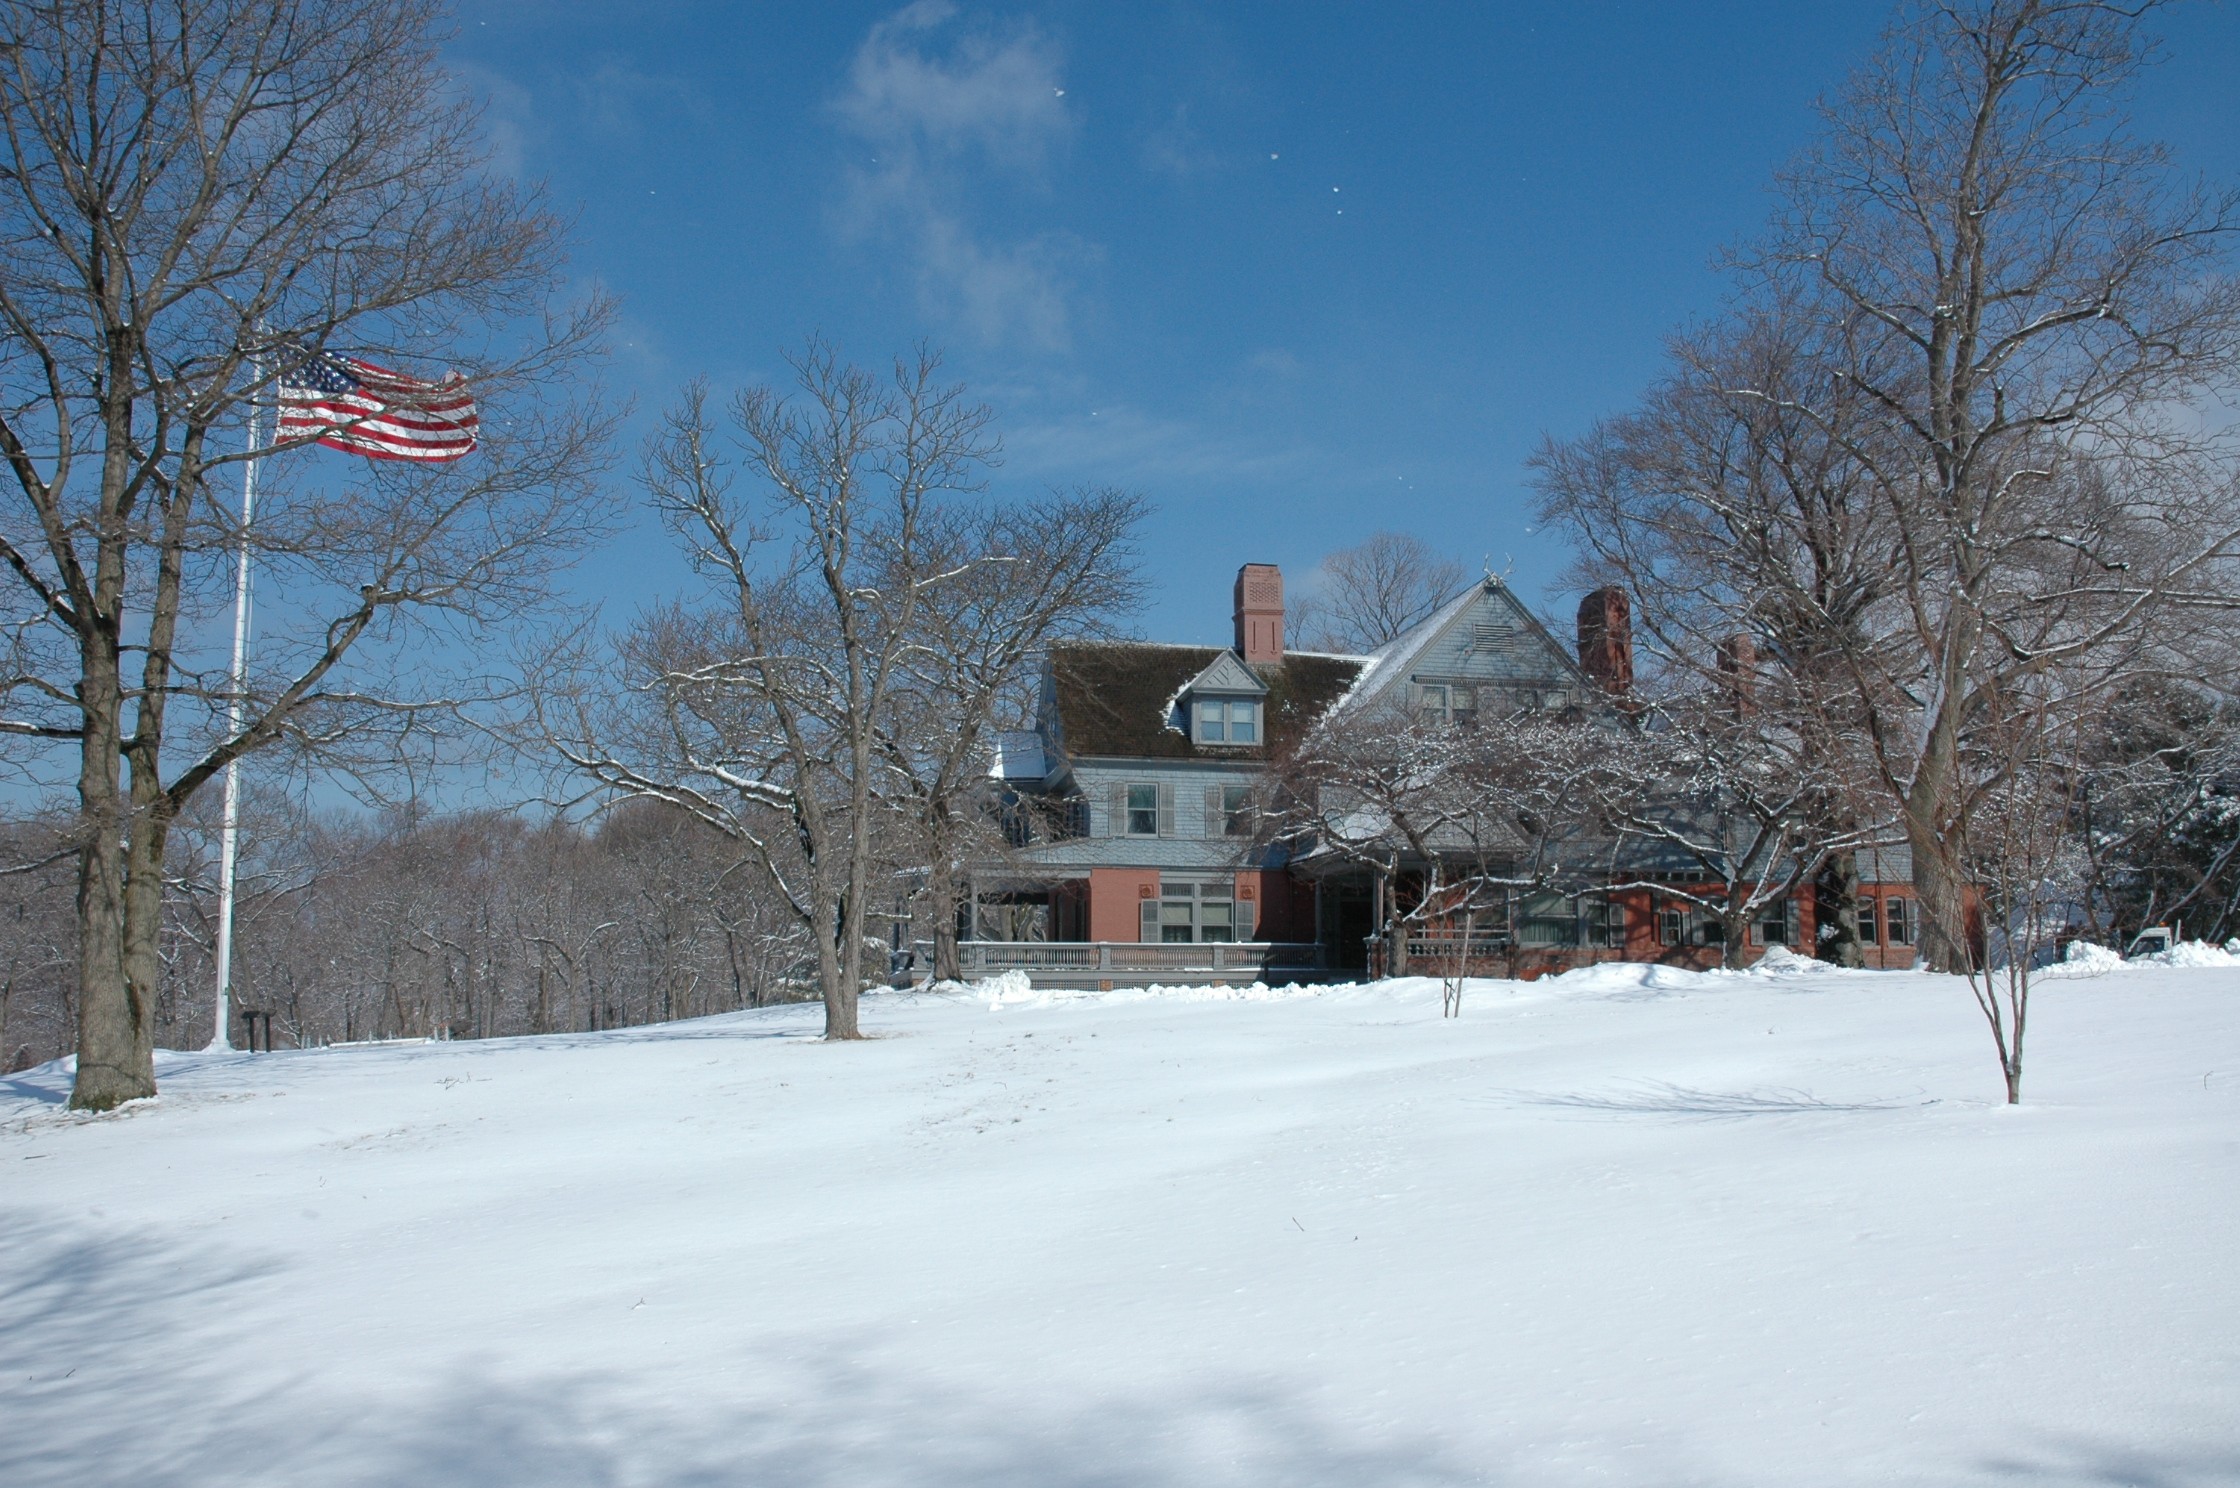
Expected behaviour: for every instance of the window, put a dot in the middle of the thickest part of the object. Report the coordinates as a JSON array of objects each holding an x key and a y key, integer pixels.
[
  {"x": 1432, "y": 706},
  {"x": 1602, "y": 922},
  {"x": 1897, "y": 915},
  {"x": 1190, "y": 912},
  {"x": 1689, "y": 927},
  {"x": 1776, "y": 925},
  {"x": 1236, "y": 811},
  {"x": 1547, "y": 920},
  {"x": 1143, "y": 811},
  {"x": 1228, "y": 721}
]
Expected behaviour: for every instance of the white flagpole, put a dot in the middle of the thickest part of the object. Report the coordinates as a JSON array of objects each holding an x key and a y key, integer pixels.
[{"x": 229, "y": 832}]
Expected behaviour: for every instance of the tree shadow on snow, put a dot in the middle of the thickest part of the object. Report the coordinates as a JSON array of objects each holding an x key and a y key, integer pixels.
[
  {"x": 115, "y": 1351},
  {"x": 120, "y": 1359},
  {"x": 2083, "y": 1463},
  {"x": 1660, "y": 1098}
]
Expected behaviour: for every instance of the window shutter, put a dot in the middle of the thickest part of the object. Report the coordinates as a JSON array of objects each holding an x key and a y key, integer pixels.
[
  {"x": 1166, "y": 808},
  {"x": 1215, "y": 825},
  {"x": 1245, "y": 916},
  {"x": 1147, "y": 920},
  {"x": 1116, "y": 810}
]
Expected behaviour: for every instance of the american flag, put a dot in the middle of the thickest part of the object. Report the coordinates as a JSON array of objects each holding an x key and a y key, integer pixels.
[{"x": 352, "y": 405}]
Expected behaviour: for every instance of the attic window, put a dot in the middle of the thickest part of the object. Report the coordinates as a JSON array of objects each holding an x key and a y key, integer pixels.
[{"x": 1228, "y": 720}]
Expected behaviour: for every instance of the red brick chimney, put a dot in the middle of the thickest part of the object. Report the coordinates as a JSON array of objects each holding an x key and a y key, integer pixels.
[
  {"x": 1738, "y": 673},
  {"x": 1606, "y": 640},
  {"x": 1260, "y": 613}
]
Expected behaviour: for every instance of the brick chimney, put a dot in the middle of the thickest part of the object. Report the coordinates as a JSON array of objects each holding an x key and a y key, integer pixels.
[
  {"x": 1606, "y": 640},
  {"x": 1260, "y": 613},
  {"x": 1738, "y": 673}
]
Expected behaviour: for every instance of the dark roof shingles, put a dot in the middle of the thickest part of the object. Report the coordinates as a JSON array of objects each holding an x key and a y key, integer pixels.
[{"x": 1112, "y": 698}]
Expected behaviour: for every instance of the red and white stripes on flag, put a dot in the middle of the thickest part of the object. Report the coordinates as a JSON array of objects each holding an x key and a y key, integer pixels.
[{"x": 354, "y": 406}]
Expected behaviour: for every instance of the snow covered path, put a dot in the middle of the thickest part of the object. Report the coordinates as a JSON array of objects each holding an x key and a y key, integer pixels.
[{"x": 1712, "y": 1230}]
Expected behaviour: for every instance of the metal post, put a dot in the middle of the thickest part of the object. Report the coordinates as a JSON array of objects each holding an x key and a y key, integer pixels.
[{"x": 229, "y": 831}]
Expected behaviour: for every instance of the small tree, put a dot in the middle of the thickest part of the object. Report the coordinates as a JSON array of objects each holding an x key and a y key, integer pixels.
[{"x": 2022, "y": 855}]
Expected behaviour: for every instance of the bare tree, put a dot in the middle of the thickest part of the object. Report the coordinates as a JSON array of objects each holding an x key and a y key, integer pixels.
[
  {"x": 1016, "y": 579},
  {"x": 1454, "y": 823},
  {"x": 1373, "y": 592},
  {"x": 1721, "y": 803},
  {"x": 760, "y": 708},
  {"x": 1941, "y": 449},
  {"x": 2025, "y": 858},
  {"x": 194, "y": 197}
]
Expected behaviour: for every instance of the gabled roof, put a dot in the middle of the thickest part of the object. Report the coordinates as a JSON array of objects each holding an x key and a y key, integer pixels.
[
  {"x": 1018, "y": 756},
  {"x": 1229, "y": 674},
  {"x": 1117, "y": 699},
  {"x": 1392, "y": 664}
]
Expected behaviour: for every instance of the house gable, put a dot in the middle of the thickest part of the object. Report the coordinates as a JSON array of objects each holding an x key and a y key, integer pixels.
[
  {"x": 1227, "y": 674},
  {"x": 1483, "y": 645}
]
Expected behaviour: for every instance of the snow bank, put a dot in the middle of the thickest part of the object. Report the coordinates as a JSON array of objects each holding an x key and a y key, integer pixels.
[
  {"x": 2087, "y": 960},
  {"x": 2196, "y": 953}
]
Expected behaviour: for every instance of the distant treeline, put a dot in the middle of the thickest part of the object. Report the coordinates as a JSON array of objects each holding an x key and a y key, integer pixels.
[{"x": 462, "y": 926}]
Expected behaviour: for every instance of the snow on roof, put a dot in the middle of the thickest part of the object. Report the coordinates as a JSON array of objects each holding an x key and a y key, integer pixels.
[
  {"x": 1019, "y": 756},
  {"x": 1397, "y": 655}
]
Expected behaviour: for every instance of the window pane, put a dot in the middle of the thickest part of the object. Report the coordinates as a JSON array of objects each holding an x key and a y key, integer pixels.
[
  {"x": 1209, "y": 723},
  {"x": 1244, "y": 728},
  {"x": 1236, "y": 811}
]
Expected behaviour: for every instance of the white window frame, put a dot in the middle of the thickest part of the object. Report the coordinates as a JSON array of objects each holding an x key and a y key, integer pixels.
[
  {"x": 1227, "y": 720},
  {"x": 1236, "y": 810},
  {"x": 1129, "y": 809},
  {"x": 1182, "y": 906}
]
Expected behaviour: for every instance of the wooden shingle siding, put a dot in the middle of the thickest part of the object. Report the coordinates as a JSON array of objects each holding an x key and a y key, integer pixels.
[
  {"x": 1189, "y": 796},
  {"x": 1494, "y": 641}
]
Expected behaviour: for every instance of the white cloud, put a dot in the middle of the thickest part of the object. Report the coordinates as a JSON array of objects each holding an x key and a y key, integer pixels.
[
  {"x": 625, "y": 102},
  {"x": 1175, "y": 148},
  {"x": 1132, "y": 446},
  {"x": 939, "y": 109},
  {"x": 509, "y": 116}
]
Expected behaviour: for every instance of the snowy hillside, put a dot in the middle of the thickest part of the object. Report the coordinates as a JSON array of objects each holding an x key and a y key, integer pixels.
[{"x": 1622, "y": 1228}]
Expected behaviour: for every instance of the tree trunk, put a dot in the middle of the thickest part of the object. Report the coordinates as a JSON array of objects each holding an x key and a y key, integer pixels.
[
  {"x": 1941, "y": 896},
  {"x": 1735, "y": 925},
  {"x": 836, "y": 972},
  {"x": 941, "y": 901},
  {"x": 1835, "y": 911},
  {"x": 116, "y": 1022}
]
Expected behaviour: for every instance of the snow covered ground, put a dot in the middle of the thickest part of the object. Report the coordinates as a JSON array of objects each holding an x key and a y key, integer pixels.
[{"x": 1623, "y": 1227}]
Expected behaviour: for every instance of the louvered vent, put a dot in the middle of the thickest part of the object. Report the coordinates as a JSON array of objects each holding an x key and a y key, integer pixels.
[{"x": 1487, "y": 634}]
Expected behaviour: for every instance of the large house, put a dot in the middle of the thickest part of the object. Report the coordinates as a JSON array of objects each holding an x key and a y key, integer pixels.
[{"x": 1141, "y": 777}]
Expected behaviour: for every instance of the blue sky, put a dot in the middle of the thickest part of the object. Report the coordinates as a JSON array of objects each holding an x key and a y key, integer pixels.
[{"x": 1297, "y": 272}]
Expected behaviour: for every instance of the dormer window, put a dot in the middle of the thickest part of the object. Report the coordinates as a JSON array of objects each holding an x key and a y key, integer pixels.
[{"x": 1228, "y": 720}]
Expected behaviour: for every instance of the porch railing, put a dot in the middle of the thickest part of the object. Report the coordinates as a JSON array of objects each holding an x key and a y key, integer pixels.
[{"x": 986, "y": 957}]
